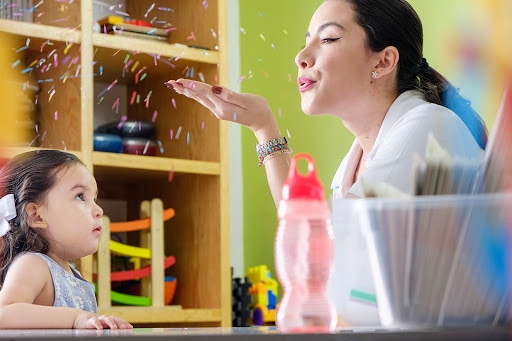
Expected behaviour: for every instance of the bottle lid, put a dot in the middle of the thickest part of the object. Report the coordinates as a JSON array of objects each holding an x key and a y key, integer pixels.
[{"x": 298, "y": 186}]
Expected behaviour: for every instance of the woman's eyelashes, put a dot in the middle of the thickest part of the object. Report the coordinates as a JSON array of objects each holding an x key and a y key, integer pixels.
[{"x": 329, "y": 40}]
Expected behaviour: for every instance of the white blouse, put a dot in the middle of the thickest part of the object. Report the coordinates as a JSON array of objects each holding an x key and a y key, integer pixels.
[{"x": 404, "y": 132}]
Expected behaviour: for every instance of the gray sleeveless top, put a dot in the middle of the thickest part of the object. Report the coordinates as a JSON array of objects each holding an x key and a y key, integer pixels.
[{"x": 70, "y": 291}]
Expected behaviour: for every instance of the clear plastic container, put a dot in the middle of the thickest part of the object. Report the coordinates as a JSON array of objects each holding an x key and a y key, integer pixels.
[
  {"x": 351, "y": 286},
  {"x": 438, "y": 261}
]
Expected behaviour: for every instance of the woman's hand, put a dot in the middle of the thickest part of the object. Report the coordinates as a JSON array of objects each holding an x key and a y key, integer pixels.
[
  {"x": 87, "y": 320},
  {"x": 249, "y": 110}
]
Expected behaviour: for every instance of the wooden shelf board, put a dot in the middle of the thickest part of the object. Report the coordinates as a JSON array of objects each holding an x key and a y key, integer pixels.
[
  {"x": 134, "y": 163},
  {"x": 10, "y": 152},
  {"x": 154, "y": 47},
  {"x": 44, "y": 32},
  {"x": 169, "y": 314}
]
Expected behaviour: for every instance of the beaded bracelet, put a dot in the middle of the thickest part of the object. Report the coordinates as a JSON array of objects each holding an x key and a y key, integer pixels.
[
  {"x": 273, "y": 155},
  {"x": 276, "y": 146}
]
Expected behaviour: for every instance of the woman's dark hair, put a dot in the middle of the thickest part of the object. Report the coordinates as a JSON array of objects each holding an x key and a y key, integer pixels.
[
  {"x": 396, "y": 23},
  {"x": 29, "y": 177}
]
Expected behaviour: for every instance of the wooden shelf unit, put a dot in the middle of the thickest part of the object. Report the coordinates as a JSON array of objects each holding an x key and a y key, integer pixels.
[{"x": 197, "y": 162}]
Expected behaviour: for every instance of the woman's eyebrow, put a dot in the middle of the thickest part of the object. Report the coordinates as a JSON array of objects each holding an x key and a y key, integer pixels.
[{"x": 324, "y": 26}]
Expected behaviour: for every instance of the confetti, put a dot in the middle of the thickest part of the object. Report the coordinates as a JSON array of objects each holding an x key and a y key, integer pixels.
[
  {"x": 13, "y": 65},
  {"x": 188, "y": 138},
  {"x": 205, "y": 4},
  {"x": 171, "y": 133},
  {"x": 202, "y": 125},
  {"x": 234, "y": 116},
  {"x": 262, "y": 37},
  {"x": 67, "y": 48},
  {"x": 56, "y": 116},
  {"x": 288, "y": 133},
  {"x": 213, "y": 33},
  {"x": 134, "y": 67},
  {"x": 146, "y": 148},
  {"x": 101, "y": 100},
  {"x": 149, "y": 10},
  {"x": 140, "y": 126},
  {"x": 116, "y": 103},
  {"x": 273, "y": 46},
  {"x": 192, "y": 36},
  {"x": 201, "y": 76},
  {"x": 120, "y": 125},
  {"x": 138, "y": 99},
  {"x": 174, "y": 103},
  {"x": 152, "y": 30},
  {"x": 161, "y": 147},
  {"x": 243, "y": 30},
  {"x": 134, "y": 94},
  {"x": 51, "y": 95},
  {"x": 241, "y": 79},
  {"x": 107, "y": 89},
  {"x": 285, "y": 32},
  {"x": 101, "y": 70},
  {"x": 166, "y": 9},
  {"x": 178, "y": 132},
  {"x": 155, "y": 114},
  {"x": 143, "y": 76},
  {"x": 147, "y": 98}
]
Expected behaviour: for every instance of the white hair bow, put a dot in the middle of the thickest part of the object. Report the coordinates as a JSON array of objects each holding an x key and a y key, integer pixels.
[{"x": 7, "y": 212}]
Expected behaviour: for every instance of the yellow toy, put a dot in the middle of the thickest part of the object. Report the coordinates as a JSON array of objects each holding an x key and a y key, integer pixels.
[{"x": 263, "y": 291}]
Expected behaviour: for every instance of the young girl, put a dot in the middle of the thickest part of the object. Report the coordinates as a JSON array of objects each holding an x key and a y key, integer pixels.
[{"x": 48, "y": 217}]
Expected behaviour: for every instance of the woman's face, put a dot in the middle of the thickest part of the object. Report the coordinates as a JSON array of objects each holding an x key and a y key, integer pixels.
[{"x": 335, "y": 66}]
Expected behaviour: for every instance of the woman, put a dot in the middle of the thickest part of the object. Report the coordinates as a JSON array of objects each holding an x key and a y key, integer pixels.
[{"x": 363, "y": 63}]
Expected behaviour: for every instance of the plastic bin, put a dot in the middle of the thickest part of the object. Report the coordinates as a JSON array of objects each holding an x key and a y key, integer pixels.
[
  {"x": 351, "y": 286},
  {"x": 437, "y": 261}
]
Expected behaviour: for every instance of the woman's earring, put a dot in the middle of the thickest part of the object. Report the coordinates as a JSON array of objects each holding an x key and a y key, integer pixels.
[{"x": 375, "y": 74}]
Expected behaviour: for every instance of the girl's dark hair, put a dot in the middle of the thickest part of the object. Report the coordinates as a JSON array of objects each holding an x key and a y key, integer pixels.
[
  {"x": 396, "y": 23},
  {"x": 29, "y": 177}
]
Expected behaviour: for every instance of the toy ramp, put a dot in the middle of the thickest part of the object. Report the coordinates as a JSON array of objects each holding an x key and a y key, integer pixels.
[
  {"x": 129, "y": 251},
  {"x": 141, "y": 224}
]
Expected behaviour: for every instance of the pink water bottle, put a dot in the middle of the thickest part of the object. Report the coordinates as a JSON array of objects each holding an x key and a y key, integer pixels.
[{"x": 304, "y": 253}]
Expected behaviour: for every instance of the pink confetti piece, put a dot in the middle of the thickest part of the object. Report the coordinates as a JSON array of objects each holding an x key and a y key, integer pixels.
[
  {"x": 56, "y": 116},
  {"x": 55, "y": 60},
  {"x": 202, "y": 125},
  {"x": 171, "y": 133},
  {"x": 116, "y": 52},
  {"x": 174, "y": 103},
  {"x": 273, "y": 46},
  {"x": 134, "y": 94},
  {"x": 155, "y": 114},
  {"x": 192, "y": 36},
  {"x": 170, "y": 29},
  {"x": 120, "y": 125},
  {"x": 184, "y": 70},
  {"x": 140, "y": 126},
  {"x": 241, "y": 79},
  {"x": 115, "y": 103},
  {"x": 205, "y": 4}
]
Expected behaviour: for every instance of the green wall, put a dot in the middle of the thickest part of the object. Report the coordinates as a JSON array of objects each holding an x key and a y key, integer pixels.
[{"x": 324, "y": 138}]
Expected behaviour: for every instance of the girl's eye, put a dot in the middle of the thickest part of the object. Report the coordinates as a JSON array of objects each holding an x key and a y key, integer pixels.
[
  {"x": 80, "y": 197},
  {"x": 329, "y": 40}
]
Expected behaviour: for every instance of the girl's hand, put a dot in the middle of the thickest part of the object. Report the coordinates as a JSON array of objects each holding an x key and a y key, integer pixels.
[
  {"x": 87, "y": 320},
  {"x": 249, "y": 110}
]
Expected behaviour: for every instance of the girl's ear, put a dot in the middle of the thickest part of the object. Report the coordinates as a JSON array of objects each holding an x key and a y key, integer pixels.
[{"x": 34, "y": 218}]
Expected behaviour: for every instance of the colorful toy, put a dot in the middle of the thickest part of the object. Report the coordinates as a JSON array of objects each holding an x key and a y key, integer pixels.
[
  {"x": 157, "y": 290},
  {"x": 264, "y": 292}
]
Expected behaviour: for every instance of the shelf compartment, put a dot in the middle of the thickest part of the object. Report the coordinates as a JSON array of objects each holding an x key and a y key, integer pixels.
[
  {"x": 168, "y": 314},
  {"x": 131, "y": 166}
]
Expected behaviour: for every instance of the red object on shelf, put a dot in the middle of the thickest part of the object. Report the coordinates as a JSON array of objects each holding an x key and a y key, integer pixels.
[
  {"x": 129, "y": 275},
  {"x": 138, "y": 22}
]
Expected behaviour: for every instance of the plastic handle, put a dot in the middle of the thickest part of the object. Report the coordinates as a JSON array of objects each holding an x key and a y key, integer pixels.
[{"x": 298, "y": 186}]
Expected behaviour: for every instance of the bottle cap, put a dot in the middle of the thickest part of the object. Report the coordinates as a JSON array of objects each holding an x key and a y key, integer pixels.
[{"x": 298, "y": 186}]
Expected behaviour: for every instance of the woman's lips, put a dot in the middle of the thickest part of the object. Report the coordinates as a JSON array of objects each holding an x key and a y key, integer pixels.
[{"x": 305, "y": 83}]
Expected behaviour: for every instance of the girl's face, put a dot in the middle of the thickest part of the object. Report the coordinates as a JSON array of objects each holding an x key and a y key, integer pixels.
[
  {"x": 72, "y": 217},
  {"x": 335, "y": 66}
]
